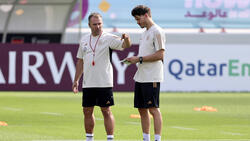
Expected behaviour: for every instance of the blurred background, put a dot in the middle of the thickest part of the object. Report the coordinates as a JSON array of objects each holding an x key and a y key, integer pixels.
[
  {"x": 207, "y": 48},
  {"x": 204, "y": 96}
]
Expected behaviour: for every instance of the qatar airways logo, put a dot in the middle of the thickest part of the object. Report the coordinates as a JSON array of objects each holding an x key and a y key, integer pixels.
[
  {"x": 234, "y": 8},
  {"x": 231, "y": 68}
]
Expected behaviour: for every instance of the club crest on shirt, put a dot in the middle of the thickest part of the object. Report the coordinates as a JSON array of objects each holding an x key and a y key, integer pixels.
[
  {"x": 84, "y": 49},
  {"x": 83, "y": 44}
]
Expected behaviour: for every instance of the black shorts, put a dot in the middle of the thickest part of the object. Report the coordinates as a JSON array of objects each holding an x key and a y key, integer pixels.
[
  {"x": 102, "y": 97},
  {"x": 147, "y": 95}
]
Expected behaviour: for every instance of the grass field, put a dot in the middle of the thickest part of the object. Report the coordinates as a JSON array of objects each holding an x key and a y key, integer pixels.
[{"x": 57, "y": 116}]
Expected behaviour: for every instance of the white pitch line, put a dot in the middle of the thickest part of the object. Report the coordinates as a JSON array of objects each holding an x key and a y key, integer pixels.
[
  {"x": 183, "y": 128},
  {"x": 99, "y": 119},
  {"x": 50, "y": 113},
  {"x": 234, "y": 134},
  {"x": 11, "y": 109},
  {"x": 134, "y": 123}
]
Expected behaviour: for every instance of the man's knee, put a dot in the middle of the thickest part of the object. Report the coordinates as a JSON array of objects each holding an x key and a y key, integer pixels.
[
  {"x": 106, "y": 111},
  {"x": 143, "y": 111},
  {"x": 88, "y": 111},
  {"x": 154, "y": 111}
]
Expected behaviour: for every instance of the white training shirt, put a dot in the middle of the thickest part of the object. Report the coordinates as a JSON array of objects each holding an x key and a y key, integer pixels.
[
  {"x": 151, "y": 41},
  {"x": 101, "y": 74}
]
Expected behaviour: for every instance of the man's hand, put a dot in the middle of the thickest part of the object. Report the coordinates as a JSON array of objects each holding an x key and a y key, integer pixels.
[
  {"x": 133, "y": 59},
  {"x": 124, "y": 36},
  {"x": 75, "y": 87},
  {"x": 126, "y": 43}
]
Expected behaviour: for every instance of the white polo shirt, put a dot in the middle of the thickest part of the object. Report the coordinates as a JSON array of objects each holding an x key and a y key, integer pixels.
[
  {"x": 101, "y": 74},
  {"x": 151, "y": 41}
]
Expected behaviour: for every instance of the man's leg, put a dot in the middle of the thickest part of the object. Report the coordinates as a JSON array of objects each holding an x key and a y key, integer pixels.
[
  {"x": 89, "y": 122},
  {"x": 155, "y": 112},
  {"x": 145, "y": 123},
  {"x": 109, "y": 122}
]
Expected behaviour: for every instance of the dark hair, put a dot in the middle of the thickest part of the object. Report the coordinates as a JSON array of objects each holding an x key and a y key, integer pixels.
[
  {"x": 141, "y": 10},
  {"x": 94, "y": 14}
]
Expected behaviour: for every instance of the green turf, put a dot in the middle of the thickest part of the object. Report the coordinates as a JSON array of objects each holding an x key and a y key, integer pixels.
[{"x": 58, "y": 116}]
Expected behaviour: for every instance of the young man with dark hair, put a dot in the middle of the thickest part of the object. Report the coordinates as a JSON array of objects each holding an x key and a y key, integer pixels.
[{"x": 150, "y": 71}]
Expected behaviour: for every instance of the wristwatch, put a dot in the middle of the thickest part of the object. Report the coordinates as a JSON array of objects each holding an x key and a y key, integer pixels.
[{"x": 140, "y": 59}]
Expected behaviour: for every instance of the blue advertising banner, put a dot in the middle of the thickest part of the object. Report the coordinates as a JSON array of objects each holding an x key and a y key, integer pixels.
[{"x": 171, "y": 14}]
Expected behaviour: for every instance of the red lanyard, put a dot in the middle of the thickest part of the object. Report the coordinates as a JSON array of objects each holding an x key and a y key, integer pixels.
[{"x": 93, "y": 49}]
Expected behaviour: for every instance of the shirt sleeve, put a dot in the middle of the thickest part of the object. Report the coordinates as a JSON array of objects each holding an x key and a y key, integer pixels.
[
  {"x": 159, "y": 40},
  {"x": 115, "y": 42},
  {"x": 80, "y": 52}
]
